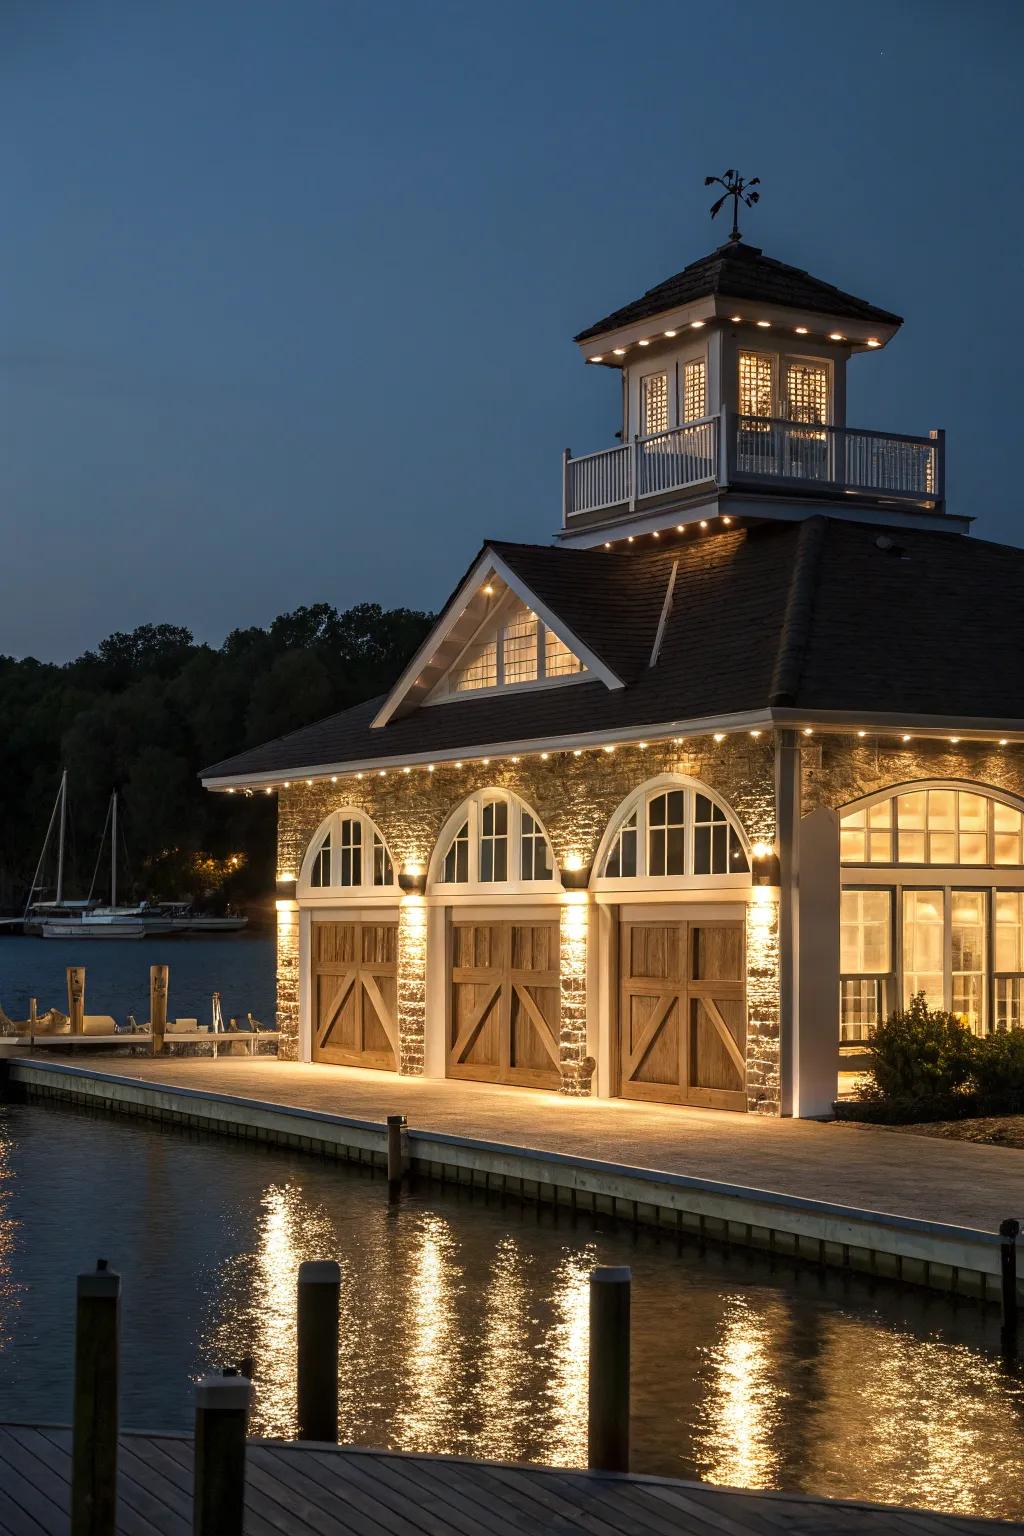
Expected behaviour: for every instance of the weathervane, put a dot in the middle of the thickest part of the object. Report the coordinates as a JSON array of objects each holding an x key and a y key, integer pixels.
[{"x": 736, "y": 188}]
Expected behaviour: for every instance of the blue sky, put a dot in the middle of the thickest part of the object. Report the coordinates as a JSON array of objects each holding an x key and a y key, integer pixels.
[{"x": 287, "y": 287}]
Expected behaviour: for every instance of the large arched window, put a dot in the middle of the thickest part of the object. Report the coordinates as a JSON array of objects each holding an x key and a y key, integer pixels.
[
  {"x": 932, "y": 902},
  {"x": 493, "y": 839},
  {"x": 347, "y": 853},
  {"x": 672, "y": 830}
]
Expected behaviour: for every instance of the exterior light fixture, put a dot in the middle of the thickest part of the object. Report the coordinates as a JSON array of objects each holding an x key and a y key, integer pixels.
[
  {"x": 286, "y": 885},
  {"x": 645, "y": 342},
  {"x": 696, "y": 325},
  {"x": 671, "y": 334},
  {"x": 412, "y": 879},
  {"x": 703, "y": 522},
  {"x": 680, "y": 527},
  {"x": 719, "y": 736},
  {"x": 575, "y": 875},
  {"x": 735, "y": 319},
  {"x": 836, "y": 336},
  {"x": 764, "y": 325},
  {"x": 727, "y": 521},
  {"x": 334, "y": 778},
  {"x": 573, "y": 861},
  {"x": 764, "y": 864},
  {"x": 907, "y": 738},
  {"x": 862, "y": 734},
  {"x": 801, "y": 330},
  {"x": 873, "y": 341},
  {"x": 609, "y": 749},
  {"x": 544, "y": 756},
  {"x": 808, "y": 731},
  {"x": 269, "y": 790},
  {"x": 954, "y": 739},
  {"x": 1003, "y": 741},
  {"x": 595, "y": 359},
  {"x": 629, "y": 538},
  {"x": 619, "y": 351},
  {"x": 407, "y": 770},
  {"x": 309, "y": 781},
  {"x": 755, "y": 733},
  {"x": 430, "y": 767}
]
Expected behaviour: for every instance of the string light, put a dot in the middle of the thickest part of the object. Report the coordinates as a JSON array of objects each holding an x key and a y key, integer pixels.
[
  {"x": 595, "y": 359},
  {"x": 696, "y": 325},
  {"x": 230, "y": 791},
  {"x": 578, "y": 752},
  {"x": 801, "y": 330},
  {"x": 680, "y": 527},
  {"x": 645, "y": 342},
  {"x": 836, "y": 336},
  {"x": 334, "y": 778},
  {"x": 607, "y": 545},
  {"x": 382, "y": 774},
  {"x": 309, "y": 781},
  {"x": 727, "y": 521},
  {"x": 954, "y": 739},
  {"x": 430, "y": 768},
  {"x": 808, "y": 731},
  {"x": 703, "y": 523},
  {"x": 735, "y": 319},
  {"x": 486, "y": 762},
  {"x": 1003, "y": 741},
  {"x": 719, "y": 736},
  {"x": 619, "y": 351},
  {"x": 755, "y": 733},
  {"x": 671, "y": 335},
  {"x": 642, "y": 745},
  {"x": 629, "y": 539},
  {"x": 407, "y": 770},
  {"x": 359, "y": 775},
  {"x": 655, "y": 534},
  {"x": 544, "y": 756},
  {"x": 873, "y": 341},
  {"x": 269, "y": 790},
  {"x": 907, "y": 738},
  {"x": 764, "y": 325},
  {"x": 609, "y": 749},
  {"x": 458, "y": 765},
  {"x": 862, "y": 734},
  {"x": 287, "y": 783}
]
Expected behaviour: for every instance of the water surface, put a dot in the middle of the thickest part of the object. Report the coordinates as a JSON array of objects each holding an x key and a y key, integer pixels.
[{"x": 464, "y": 1323}]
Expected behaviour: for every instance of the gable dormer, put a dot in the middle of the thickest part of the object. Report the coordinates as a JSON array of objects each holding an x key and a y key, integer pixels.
[{"x": 723, "y": 367}]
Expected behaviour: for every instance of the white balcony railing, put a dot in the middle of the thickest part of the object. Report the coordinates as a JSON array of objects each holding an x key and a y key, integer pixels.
[{"x": 756, "y": 451}]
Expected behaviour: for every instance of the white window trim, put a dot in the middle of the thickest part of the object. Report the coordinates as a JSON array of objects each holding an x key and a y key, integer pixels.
[
  {"x": 494, "y": 627},
  {"x": 940, "y": 874},
  {"x": 779, "y": 359},
  {"x": 471, "y": 811},
  {"x": 335, "y": 892},
  {"x": 638, "y": 801}
]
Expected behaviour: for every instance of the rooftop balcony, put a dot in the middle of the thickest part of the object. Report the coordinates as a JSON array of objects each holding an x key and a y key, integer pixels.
[{"x": 753, "y": 453}]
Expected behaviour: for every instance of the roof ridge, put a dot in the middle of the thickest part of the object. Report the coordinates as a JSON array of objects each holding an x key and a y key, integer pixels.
[{"x": 796, "y": 621}]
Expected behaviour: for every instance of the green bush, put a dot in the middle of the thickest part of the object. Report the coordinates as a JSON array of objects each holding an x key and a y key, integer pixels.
[
  {"x": 921, "y": 1066},
  {"x": 999, "y": 1073}
]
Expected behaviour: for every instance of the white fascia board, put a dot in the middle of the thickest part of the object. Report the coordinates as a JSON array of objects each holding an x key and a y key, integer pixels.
[
  {"x": 586, "y": 741},
  {"x": 886, "y": 723},
  {"x": 489, "y": 564}
]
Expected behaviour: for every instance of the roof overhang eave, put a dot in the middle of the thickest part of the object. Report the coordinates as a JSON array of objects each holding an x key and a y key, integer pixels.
[{"x": 720, "y": 308}]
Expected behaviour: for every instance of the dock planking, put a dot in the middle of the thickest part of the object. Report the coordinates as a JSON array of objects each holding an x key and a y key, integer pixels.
[{"x": 321, "y": 1490}]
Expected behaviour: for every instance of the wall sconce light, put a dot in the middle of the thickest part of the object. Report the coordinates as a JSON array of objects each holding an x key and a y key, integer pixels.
[
  {"x": 574, "y": 874},
  {"x": 286, "y": 886},
  {"x": 764, "y": 865},
  {"x": 413, "y": 879}
]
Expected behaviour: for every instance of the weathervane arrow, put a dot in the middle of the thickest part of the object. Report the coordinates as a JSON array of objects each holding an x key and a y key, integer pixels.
[{"x": 738, "y": 190}]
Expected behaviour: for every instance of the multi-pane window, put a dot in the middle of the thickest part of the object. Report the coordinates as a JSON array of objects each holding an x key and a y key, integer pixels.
[
  {"x": 522, "y": 650},
  {"x": 320, "y": 874},
  {"x": 924, "y": 929},
  {"x": 934, "y": 826},
  {"x": 757, "y": 384},
  {"x": 675, "y": 832},
  {"x": 865, "y": 961},
  {"x": 350, "y": 852},
  {"x": 383, "y": 869},
  {"x": 1009, "y": 959},
  {"x": 478, "y": 670},
  {"x": 494, "y": 841},
  {"x": 456, "y": 860},
  {"x": 653, "y": 404},
  {"x": 806, "y": 391},
  {"x": 498, "y": 842},
  {"x": 559, "y": 661},
  {"x": 533, "y": 849},
  {"x": 665, "y": 833},
  {"x": 695, "y": 390},
  {"x": 968, "y": 957},
  {"x": 717, "y": 849}
]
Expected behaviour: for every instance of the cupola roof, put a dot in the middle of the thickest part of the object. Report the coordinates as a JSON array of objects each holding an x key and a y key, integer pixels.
[{"x": 740, "y": 271}]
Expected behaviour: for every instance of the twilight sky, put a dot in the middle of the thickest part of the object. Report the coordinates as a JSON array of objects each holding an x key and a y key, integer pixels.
[{"x": 287, "y": 287}]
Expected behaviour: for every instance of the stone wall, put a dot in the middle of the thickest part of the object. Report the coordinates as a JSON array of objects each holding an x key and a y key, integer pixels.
[
  {"x": 839, "y": 769},
  {"x": 575, "y": 796}
]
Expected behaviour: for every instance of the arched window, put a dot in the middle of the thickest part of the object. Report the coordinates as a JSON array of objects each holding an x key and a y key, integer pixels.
[
  {"x": 493, "y": 839},
  {"x": 347, "y": 853},
  {"x": 941, "y": 823},
  {"x": 669, "y": 830}
]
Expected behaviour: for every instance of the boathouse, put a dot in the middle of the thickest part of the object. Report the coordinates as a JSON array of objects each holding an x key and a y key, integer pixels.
[{"x": 677, "y": 807}]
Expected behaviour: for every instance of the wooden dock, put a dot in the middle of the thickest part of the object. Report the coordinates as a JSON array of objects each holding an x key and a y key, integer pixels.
[{"x": 322, "y": 1490}]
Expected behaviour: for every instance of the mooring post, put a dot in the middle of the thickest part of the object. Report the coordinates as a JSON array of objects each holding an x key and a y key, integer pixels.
[
  {"x": 158, "y": 975},
  {"x": 608, "y": 1391},
  {"x": 222, "y": 1422},
  {"x": 76, "y": 997},
  {"x": 1009, "y": 1231},
  {"x": 396, "y": 1156},
  {"x": 94, "y": 1428},
  {"x": 319, "y": 1302}
]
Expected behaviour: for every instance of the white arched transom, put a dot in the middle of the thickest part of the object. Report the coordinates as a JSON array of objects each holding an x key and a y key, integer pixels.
[
  {"x": 493, "y": 841},
  {"x": 941, "y": 821},
  {"x": 348, "y": 854},
  {"x": 672, "y": 831}
]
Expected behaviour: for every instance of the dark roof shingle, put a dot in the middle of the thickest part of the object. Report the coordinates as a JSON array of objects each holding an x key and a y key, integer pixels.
[{"x": 739, "y": 271}]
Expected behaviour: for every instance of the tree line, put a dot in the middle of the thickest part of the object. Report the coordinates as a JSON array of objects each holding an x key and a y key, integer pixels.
[{"x": 144, "y": 713}]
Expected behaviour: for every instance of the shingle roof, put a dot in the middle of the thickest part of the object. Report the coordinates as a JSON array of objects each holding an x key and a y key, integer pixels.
[
  {"x": 818, "y": 615},
  {"x": 739, "y": 271}
]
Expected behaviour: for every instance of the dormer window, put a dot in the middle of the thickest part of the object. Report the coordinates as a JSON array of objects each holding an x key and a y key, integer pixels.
[{"x": 521, "y": 649}]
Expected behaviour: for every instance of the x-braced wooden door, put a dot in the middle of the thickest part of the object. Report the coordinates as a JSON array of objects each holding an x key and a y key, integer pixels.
[
  {"x": 682, "y": 1013},
  {"x": 505, "y": 1003},
  {"x": 355, "y": 994}
]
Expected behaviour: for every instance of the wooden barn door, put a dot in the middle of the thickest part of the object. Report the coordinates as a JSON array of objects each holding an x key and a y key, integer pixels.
[
  {"x": 505, "y": 1003},
  {"x": 682, "y": 1013},
  {"x": 355, "y": 994}
]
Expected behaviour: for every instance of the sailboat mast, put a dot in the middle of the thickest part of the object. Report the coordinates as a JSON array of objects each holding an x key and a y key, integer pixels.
[
  {"x": 113, "y": 850},
  {"x": 35, "y": 886},
  {"x": 63, "y": 825}
]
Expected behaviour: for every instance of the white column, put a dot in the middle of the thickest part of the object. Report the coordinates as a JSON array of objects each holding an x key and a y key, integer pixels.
[
  {"x": 817, "y": 1032},
  {"x": 787, "y": 810}
]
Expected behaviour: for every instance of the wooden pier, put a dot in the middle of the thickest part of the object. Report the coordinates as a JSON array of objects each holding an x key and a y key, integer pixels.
[{"x": 323, "y": 1490}]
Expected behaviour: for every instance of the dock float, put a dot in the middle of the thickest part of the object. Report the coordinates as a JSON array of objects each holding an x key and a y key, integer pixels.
[
  {"x": 324, "y": 1490},
  {"x": 957, "y": 1259}
]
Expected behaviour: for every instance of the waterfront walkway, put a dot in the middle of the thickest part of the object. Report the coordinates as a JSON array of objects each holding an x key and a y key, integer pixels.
[
  {"x": 302, "y": 1490},
  {"x": 913, "y": 1177}
]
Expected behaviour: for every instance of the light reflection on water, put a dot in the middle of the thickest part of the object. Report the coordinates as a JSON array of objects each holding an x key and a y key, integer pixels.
[{"x": 464, "y": 1325}]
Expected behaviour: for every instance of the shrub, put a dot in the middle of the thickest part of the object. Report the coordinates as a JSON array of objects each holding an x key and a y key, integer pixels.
[
  {"x": 922, "y": 1065},
  {"x": 999, "y": 1073}
]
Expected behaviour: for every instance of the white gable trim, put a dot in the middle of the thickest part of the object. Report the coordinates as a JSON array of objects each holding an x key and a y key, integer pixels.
[{"x": 490, "y": 564}]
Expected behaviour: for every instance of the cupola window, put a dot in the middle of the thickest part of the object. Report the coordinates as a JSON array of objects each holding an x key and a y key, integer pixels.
[
  {"x": 695, "y": 390},
  {"x": 653, "y": 404}
]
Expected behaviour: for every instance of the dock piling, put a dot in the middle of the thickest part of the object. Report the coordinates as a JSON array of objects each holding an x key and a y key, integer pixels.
[
  {"x": 319, "y": 1302},
  {"x": 76, "y": 998},
  {"x": 95, "y": 1411},
  {"x": 1009, "y": 1231},
  {"x": 608, "y": 1387},
  {"x": 396, "y": 1156},
  {"x": 158, "y": 977},
  {"x": 222, "y": 1423}
]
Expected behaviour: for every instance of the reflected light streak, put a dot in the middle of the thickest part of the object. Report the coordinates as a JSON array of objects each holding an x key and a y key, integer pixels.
[
  {"x": 504, "y": 1400},
  {"x": 567, "y": 1348},
  {"x": 8, "y": 1289},
  {"x": 742, "y": 1410},
  {"x": 434, "y": 1400}
]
